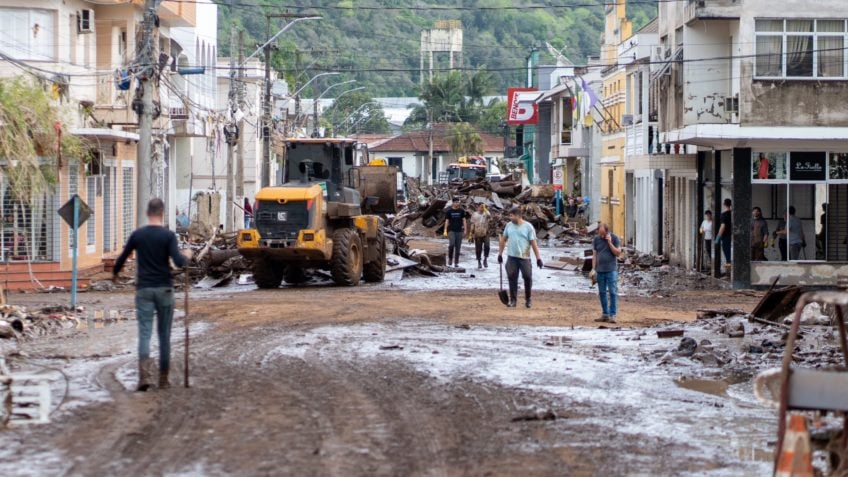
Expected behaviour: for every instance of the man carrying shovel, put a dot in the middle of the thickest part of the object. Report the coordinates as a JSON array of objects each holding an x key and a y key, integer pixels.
[
  {"x": 518, "y": 238},
  {"x": 154, "y": 245}
]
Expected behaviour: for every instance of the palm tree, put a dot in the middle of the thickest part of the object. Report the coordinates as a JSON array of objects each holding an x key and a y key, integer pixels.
[
  {"x": 464, "y": 140},
  {"x": 478, "y": 85}
]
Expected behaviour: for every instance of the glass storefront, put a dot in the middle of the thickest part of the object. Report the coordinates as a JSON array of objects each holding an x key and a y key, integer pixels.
[{"x": 803, "y": 197}]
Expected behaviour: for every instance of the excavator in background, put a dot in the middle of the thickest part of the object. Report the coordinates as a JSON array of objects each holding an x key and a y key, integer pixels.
[{"x": 323, "y": 216}]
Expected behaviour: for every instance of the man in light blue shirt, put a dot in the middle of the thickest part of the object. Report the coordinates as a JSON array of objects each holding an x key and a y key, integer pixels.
[{"x": 518, "y": 238}]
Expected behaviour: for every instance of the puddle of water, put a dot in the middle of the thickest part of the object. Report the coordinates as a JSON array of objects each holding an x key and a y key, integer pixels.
[{"x": 707, "y": 386}]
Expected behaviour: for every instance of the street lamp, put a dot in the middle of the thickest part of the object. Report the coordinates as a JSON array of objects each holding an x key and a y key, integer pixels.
[
  {"x": 339, "y": 96},
  {"x": 311, "y": 80},
  {"x": 351, "y": 115},
  {"x": 315, "y": 105},
  {"x": 277, "y": 35}
]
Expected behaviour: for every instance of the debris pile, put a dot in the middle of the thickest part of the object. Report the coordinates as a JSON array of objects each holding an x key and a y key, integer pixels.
[
  {"x": 653, "y": 276},
  {"x": 215, "y": 260},
  {"x": 424, "y": 214},
  {"x": 17, "y": 322}
]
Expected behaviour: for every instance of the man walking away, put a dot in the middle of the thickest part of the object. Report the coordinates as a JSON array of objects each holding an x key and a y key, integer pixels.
[
  {"x": 725, "y": 231},
  {"x": 780, "y": 235},
  {"x": 605, "y": 266},
  {"x": 480, "y": 232},
  {"x": 456, "y": 224},
  {"x": 154, "y": 245},
  {"x": 794, "y": 235},
  {"x": 759, "y": 235},
  {"x": 518, "y": 238}
]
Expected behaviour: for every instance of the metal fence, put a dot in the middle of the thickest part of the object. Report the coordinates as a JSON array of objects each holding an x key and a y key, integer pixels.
[
  {"x": 127, "y": 205},
  {"x": 30, "y": 229}
]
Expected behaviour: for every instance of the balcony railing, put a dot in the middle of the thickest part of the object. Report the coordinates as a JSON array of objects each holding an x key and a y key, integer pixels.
[{"x": 637, "y": 141}]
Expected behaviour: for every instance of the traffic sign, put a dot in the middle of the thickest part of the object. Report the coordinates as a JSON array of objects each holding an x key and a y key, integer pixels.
[{"x": 67, "y": 211}]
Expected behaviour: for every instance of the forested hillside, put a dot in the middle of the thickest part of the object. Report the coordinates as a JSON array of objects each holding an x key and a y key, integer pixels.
[{"x": 377, "y": 41}]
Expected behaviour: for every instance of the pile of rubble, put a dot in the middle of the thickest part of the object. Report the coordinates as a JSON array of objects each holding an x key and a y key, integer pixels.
[
  {"x": 16, "y": 322},
  {"x": 424, "y": 214}
]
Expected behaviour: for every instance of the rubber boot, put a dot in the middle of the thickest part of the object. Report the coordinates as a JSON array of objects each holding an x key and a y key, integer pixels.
[
  {"x": 486, "y": 262},
  {"x": 145, "y": 376},
  {"x": 164, "y": 382},
  {"x": 479, "y": 265}
]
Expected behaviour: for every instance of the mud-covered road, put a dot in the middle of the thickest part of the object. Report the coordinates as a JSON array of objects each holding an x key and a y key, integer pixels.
[{"x": 366, "y": 381}]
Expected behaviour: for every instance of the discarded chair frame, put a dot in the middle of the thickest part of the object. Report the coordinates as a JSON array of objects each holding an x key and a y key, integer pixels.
[{"x": 838, "y": 300}]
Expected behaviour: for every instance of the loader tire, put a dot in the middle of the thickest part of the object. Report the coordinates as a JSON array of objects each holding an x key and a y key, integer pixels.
[
  {"x": 295, "y": 275},
  {"x": 267, "y": 274},
  {"x": 347, "y": 257},
  {"x": 375, "y": 270}
]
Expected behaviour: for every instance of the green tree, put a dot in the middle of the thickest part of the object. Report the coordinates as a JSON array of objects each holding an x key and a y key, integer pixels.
[
  {"x": 356, "y": 112},
  {"x": 29, "y": 133},
  {"x": 452, "y": 98},
  {"x": 464, "y": 140},
  {"x": 492, "y": 117}
]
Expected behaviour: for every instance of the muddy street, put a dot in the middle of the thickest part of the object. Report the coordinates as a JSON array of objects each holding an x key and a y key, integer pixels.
[{"x": 334, "y": 381}]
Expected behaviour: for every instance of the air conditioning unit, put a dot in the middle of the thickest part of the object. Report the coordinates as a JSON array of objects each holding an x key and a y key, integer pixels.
[
  {"x": 627, "y": 120},
  {"x": 85, "y": 21}
]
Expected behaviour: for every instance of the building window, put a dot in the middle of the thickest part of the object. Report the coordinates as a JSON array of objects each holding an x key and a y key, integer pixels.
[
  {"x": 804, "y": 201},
  {"x": 566, "y": 120},
  {"x": 27, "y": 33},
  {"x": 396, "y": 161},
  {"x": 800, "y": 48}
]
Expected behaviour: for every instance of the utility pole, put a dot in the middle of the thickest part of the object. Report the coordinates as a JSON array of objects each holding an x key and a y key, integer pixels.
[
  {"x": 241, "y": 103},
  {"x": 315, "y": 117},
  {"x": 147, "y": 58},
  {"x": 429, "y": 164},
  {"x": 232, "y": 139},
  {"x": 266, "y": 111},
  {"x": 266, "y": 103}
]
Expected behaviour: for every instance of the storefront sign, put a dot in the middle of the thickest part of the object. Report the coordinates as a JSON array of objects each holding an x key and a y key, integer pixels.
[
  {"x": 807, "y": 166},
  {"x": 522, "y": 107}
]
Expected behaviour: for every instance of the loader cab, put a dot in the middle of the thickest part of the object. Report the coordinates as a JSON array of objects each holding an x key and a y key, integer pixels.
[{"x": 330, "y": 161}]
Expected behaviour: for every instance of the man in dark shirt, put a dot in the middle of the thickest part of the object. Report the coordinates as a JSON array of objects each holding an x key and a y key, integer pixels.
[
  {"x": 725, "y": 230},
  {"x": 455, "y": 226},
  {"x": 154, "y": 245}
]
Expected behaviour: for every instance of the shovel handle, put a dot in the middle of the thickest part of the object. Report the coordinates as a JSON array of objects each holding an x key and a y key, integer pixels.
[{"x": 185, "y": 322}]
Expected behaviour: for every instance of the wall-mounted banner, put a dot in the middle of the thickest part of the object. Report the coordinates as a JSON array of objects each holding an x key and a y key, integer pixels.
[{"x": 521, "y": 106}]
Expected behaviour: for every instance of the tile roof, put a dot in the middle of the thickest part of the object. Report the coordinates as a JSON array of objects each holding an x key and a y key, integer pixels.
[{"x": 418, "y": 141}]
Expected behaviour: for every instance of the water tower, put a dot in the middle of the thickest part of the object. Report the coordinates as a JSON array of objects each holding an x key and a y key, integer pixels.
[{"x": 444, "y": 37}]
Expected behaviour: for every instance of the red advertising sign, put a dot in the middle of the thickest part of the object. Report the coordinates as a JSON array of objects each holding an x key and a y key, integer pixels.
[{"x": 521, "y": 106}]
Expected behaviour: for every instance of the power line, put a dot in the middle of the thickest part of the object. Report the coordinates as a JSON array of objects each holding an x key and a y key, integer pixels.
[{"x": 602, "y": 3}]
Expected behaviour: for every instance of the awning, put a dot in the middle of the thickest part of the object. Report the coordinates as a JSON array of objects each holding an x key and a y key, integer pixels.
[
  {"x": 553, "y": 92},
  {"x": 105, "y": 133}
]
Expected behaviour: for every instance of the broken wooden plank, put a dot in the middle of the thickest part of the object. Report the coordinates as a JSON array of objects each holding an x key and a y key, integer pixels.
[{"x": 669, "y": 333}]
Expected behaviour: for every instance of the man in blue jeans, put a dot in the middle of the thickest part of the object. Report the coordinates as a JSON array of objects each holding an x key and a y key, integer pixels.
[
  {"x": 605, "y": 268},
  {"x": 154, "y": 245}
]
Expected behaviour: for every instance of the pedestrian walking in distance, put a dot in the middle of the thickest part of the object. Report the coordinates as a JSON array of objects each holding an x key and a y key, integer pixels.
[
  {"x": 480, "y": 220},
  {"x": 518, "y": 238},
  {"x": 725, "y": 231},
  {"x": 456, "y": 224},
  {"x": 153, "y": 245},
  {"x": 605, "y": 267}
]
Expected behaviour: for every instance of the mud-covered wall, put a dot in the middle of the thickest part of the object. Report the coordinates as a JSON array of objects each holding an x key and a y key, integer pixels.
[{"x": 792, "y": 102}]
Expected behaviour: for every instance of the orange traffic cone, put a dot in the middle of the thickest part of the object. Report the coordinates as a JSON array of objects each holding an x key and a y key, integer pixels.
[{"x": 796, "y": 457}]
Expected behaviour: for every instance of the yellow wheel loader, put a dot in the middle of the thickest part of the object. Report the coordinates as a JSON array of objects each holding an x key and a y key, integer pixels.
[{"x": 321, "y": 217}]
